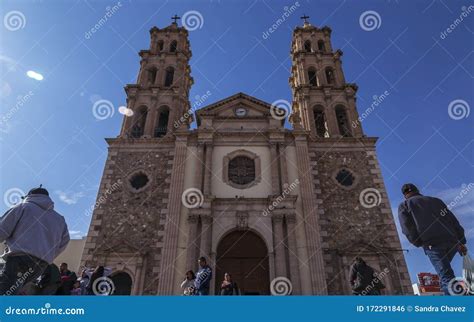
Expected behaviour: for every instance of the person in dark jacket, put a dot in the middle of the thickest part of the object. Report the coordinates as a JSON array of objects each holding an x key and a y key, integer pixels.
[
  {"x": 68, "y": 279},
  {"x": 427, "y": 222},
  {"x": 363, "y": 279},
  {"x": 48, "y": 283}
]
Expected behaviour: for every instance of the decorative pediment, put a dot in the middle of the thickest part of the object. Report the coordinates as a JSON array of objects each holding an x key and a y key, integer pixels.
[
  {"x": 238, "y": 112},
  {"x": 239, "y": 105}
]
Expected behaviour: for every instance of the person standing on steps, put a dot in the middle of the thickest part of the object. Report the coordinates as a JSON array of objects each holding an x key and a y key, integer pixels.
[{"x": 203, "y": 277}]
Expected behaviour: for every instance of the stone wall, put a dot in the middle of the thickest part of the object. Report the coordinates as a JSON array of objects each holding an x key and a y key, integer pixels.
[
  {"x": 351, "y": 227},
  {"x": 127, "y": 226}
]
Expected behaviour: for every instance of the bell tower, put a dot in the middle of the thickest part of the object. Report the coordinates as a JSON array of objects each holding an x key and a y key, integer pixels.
[
  {"x": 160, "y": 98},
  {"x": 323, "y": 103}
]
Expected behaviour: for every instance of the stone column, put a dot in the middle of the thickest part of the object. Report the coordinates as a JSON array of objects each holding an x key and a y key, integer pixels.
[
  {"x": 159, "y": 81},
  {"x": 150, "y": 121},
  {"x": 293, "y": 254},
  {"x": 170, "y": 240},
  {"x": 198, "y": 179},
  {"x": 208, "y": 170},
  {"x": 173, "y": 116},
  {"x": 206, "y": 236},
  {"x": 274, "y": 169},
  {"x": 353, "y": 116},
  {"x": 311, "y": 217},
  {"x": 142, "y": 76},
  {"x": 340, "y": 74},
  {"x": 128, "y": 120},
  {"x": 331, "y": 120},
  {"x": 138, "y": 278},
  {"x": 191, "y": 257},
  {"x": 283, "y": 165},
  {"x": 278, "y": 245}
]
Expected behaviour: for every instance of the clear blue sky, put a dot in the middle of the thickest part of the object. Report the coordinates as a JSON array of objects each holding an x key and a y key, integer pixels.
[{"x": 53, "y": 138}]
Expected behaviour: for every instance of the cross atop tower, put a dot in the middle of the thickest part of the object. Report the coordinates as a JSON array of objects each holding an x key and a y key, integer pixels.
[
  {"x": 175, "y": 18},
  {"x": 305, "y": 18}
]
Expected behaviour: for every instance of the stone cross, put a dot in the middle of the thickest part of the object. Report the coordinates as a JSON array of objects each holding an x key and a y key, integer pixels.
[{"x": 175, "y": 18}]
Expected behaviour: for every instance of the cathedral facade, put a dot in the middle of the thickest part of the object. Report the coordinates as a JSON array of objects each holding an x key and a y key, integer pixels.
[{"x": 262, "y": 202}]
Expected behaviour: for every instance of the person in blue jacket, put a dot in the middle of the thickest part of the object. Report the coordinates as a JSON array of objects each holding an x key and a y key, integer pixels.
[
  {"x": 203, "y": 277},
  {"x": 427, "y": 222}
]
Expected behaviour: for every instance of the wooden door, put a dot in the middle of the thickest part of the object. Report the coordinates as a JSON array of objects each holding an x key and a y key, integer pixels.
[{"x": 244, "y": 255}]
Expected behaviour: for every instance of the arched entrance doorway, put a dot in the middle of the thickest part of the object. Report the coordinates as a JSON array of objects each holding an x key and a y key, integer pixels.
[
  {"x": 122, "y": 283},
  {"x": 244, "y": 255}
]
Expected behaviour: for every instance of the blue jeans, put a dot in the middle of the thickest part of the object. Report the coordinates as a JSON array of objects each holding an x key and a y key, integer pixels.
[
  {"x": 18, "y": 271},
  {"x": 441, "y": 257}
]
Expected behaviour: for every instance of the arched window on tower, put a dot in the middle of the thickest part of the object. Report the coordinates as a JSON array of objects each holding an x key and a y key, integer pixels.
[
  {"x": 152, "y": 76},
  {"x": 320, "y": 122},
  {"x": 312, "y": 77},
  {"x": 162, "y": 123},
  {"x": 139, "y": 124},
  {"x": 161, "y": 45},
  {"x": 307, "y": 46},
  {"x": 342, "y": 121},
  {"x": 330, "y": 76},
  {"x": 321, "y": 46},
  {"x": 173, "y": 46},
  {"x": 169, "y": 76}
]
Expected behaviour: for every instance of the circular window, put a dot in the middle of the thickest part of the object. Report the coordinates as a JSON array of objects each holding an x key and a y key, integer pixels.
[
  {"x": 138, "y": 181},
  {"x": 345, "y": 178},
  {"x": 241, "y": 170}
]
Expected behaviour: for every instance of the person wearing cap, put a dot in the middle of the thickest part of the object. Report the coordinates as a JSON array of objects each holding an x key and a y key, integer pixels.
[
  {"x": 35, "y": 235},
  {"x": 427, "y": 222}
]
